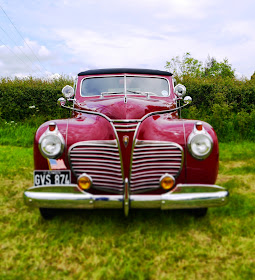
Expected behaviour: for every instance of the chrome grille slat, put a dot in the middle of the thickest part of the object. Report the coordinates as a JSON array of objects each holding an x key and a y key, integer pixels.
[
  {"x": 97, "y": 148},
  {"x": 151, "y": 160},
  {"x": 96, "y": 156},
  {"x": 92, "y": 168},
  {"x": 145, "y": 184},
  {"x": 145, "y": 167},
  {"x": 125, "y": 126},
  {"x": 156, "y": 153},
  {"x": 126, "y": 130},
  {"x": 163, "y": 156},
  {"x": 81, "y": 162},
  {"x": 106, "y": 175},
  {"x": 94, "y": 160},
  {"x": 93, "y": 152},
  {"x": 144, "y": 188},
  {"x": 156, "y": 159}
]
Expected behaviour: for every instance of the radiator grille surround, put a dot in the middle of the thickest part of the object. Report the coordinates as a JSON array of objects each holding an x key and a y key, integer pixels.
[
  {"x": 151, "y": 160},
  {"x": 101, "y": 160}
]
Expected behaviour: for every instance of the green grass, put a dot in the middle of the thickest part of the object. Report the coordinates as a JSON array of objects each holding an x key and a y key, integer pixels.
[
  {"x": 149, "y": 244},
  {"x": 17, "y": 134}
]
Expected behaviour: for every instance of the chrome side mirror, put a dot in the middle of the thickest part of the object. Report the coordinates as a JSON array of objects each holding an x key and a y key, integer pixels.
[
  {"x": 68, "y": 92},
  {"x": 61, "y": 101},
  {"x": 180, "y": 90},
  {"x": 187, "y": 99}
]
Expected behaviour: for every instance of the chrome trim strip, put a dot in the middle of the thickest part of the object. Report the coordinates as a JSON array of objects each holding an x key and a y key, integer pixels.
[
  {"x": 183, "y": 196},
  {"x": 125, "y": 130},
  {"x": 109, "y": 143},
  {"x": 126, "y": 121},
  {"x": 124, "y": 125},
  {"x": 125, "y": 75},
  {"x": 126, "y": 197}
]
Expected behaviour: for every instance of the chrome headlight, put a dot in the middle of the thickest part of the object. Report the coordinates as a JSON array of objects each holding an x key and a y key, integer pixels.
[
  {"x": 200, "y": 142},
  {"x": 180, "y": 90},
  {"x": 51, "y": 143}
]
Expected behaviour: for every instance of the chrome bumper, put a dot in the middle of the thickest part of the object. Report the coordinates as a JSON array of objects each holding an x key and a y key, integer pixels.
[{"x": 182, "y": 197}]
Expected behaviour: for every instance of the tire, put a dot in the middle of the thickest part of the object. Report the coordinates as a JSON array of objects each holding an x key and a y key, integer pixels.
[
  {"x": 47, "y": 213},
  {"x": 199, "y": 212}
]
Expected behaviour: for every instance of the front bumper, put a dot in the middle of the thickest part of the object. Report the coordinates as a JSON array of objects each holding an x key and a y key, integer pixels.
[{"x": 184, "y": 196}]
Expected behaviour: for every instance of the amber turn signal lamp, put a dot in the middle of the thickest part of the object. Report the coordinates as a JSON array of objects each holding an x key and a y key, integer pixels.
[
  {"x": 167, "y": 181},
  {"x": 199, "y": 126},
  {"x": 84, "y": 181}
]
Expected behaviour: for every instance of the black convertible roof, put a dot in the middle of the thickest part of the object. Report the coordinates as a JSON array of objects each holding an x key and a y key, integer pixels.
[{"x": 125, "y": 70}]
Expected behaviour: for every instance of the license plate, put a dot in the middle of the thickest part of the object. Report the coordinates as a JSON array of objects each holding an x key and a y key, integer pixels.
[{"x": 52, "y": 177}]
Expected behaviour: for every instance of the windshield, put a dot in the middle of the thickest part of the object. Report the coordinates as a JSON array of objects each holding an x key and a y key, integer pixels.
[{"x": 117, "y": 85}]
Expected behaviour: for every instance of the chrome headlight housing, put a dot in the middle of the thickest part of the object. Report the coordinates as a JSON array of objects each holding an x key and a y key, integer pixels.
[
  {"x": 200, "y": 142},
  {"x": 51, "y": 143}
]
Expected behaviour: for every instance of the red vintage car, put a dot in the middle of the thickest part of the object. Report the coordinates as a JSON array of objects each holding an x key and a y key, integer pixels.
[{"x": 126, "y": 146}]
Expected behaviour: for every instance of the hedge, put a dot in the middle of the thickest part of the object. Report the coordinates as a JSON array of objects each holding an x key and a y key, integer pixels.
[
  {"x": 227, "y": 104},
  {"x": 25, "y": 99}
]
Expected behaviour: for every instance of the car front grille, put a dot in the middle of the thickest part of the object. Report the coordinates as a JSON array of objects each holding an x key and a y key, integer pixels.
[
  {"x": 151, "y": 160},
  {"x": 100, "y": 160}
]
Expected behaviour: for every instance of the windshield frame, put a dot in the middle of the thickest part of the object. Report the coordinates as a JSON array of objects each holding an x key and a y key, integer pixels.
[{"x": 125, "y": 93}]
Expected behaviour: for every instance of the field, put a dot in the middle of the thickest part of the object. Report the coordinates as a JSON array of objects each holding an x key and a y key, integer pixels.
[{"x": 146, "y": 245}]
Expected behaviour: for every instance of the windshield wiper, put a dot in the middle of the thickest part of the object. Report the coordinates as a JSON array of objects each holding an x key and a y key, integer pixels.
[
  {"x": 111, "y": 92},
  {"x": 142, "y": 92}
]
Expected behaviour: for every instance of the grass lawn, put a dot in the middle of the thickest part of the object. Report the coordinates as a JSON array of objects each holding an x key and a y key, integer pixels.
[{"x": 149, "y": 244}]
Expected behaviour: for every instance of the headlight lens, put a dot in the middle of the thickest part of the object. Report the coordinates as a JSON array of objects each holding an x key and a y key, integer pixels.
[
  {"x": 200, "y": 146},
  {"x": 51, "y": 146}
]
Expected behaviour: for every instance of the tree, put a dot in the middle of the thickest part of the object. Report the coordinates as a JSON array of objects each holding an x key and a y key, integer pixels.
[
  {"x": 186, "y": 65},
  {"x": 189, "y": 66},
  {"x": 214, "y": 68},
  {"x": 253, "y": 77}
]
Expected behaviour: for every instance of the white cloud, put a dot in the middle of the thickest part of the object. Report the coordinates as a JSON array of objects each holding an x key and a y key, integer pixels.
[
  {"x": 69, "y": 36},
  {"x": 135, "y": 48},
  {"x": 184, "y": 9},
  {"x": 23, "y": 60}
]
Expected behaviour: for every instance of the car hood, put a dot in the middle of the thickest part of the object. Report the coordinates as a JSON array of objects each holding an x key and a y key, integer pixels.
[{"x": 133, "y": 108}]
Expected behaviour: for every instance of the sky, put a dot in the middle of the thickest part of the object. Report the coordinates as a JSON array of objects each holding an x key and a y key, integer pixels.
[{"x": 65, "y": 37}]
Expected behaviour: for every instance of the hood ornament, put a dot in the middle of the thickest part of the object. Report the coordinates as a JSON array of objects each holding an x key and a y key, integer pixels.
[{"x": 125, "y": 140}]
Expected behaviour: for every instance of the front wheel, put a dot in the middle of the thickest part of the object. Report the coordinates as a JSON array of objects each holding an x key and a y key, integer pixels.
[{"x": 47, "y": 213}]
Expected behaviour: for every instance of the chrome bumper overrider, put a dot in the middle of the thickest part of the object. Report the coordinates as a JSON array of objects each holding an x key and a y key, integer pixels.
[{"x": 182, "y": 197}]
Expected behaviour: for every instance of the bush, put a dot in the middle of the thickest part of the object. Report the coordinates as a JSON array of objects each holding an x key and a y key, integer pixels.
[
  {"x": 226, "y": 103},
  {"x": 22, "y": 99}
]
